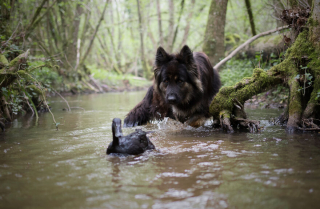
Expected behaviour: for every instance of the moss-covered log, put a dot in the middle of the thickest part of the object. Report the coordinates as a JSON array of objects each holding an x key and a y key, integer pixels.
[{"x": 301, "y": 58}]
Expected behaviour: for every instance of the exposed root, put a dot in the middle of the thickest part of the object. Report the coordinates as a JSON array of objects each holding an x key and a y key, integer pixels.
[
  {"x": 295, "y": 107},
  {"x": 252, "y": 125},
  {"x": 2, "y": 126},
  {"x": 308, "y": 129},
  {"x": 309, "y": 123},
  {"x": 313, "y": 104},
  {"x": 6, "y": 111},
  {"x": 225, "y": 121},
  {"x": 239, "y": 110}
]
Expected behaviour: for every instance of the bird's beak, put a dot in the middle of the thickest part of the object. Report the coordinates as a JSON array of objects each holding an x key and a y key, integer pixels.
[{"x": 118, "y": 131}]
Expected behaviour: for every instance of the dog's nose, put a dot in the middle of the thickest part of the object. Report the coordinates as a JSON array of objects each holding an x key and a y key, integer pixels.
[{"x": 172, "y": 98}]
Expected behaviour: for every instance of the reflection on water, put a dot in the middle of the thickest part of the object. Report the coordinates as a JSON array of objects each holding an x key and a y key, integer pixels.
[{"x": 191, "y": 168}]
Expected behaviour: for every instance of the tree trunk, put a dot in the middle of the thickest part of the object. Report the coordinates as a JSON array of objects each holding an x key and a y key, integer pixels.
[
  {"x": 187, "y": 28},
  {"x": 315, "y": 28},
  {"x": 150, "y": 33},
  {"x": 32, "y": 24},
  {"x": 94, "y": 34},
  {"x": 171, "y": 26},
  {"x": 72, "y": 47},
  {"x": 251, "y": 20},
  {"x": 277, "y": 7},
  {"x": 143, "y": 60},
  {"x": 6, "y": 6},
  {"x": 159, "y": 24},
  {"x": 177, "y": 27},
  {"x": 213, "y": 44}
]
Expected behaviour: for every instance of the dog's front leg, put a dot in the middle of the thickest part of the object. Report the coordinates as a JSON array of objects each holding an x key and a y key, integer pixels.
[
  {"x": 196, "y": 121},
  {"x": 140, "y": 114}
]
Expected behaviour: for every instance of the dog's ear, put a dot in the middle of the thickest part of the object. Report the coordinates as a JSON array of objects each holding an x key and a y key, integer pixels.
[
  {"x": 162, "y": 58},
  {"x": 187, "y": 57}
]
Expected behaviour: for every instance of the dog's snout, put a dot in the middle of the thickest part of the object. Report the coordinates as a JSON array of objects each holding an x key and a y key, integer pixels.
[{"x": 172, "y": 98}]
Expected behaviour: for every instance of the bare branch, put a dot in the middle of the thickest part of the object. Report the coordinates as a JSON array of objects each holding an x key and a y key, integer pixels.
[{"x": 232, "y": 54}]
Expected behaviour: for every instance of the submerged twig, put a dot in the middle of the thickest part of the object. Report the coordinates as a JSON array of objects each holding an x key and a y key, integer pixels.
[
  {"x": 27, "y": 98},
  {"x": 69, "y": 109},
  {"x": 78, "y": 108}
]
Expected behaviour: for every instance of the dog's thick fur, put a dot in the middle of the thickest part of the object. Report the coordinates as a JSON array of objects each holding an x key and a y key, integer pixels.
[{"x": 184, "y": 85}]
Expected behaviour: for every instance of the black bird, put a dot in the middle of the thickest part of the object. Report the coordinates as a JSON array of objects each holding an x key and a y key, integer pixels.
[{"x": 133, "y": 144}]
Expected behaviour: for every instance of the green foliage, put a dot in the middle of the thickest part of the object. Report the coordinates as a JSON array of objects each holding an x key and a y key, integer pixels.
[
  {"x": 242, "y": 91},
  {"x": 237, "y": 18},
  {"x": 318, "y": 95},
  {"x": 276, "y": 59},
  {"x": 117, "y": 43},
  {"x": 114, "y": 79},
  {"x": 45, "y": 75},
  {"x": 279, "y": 94},
  {"x": 234, "y": 71},
  {"x": 13, "y": 99},
  {"x": 307, "y": 79}
]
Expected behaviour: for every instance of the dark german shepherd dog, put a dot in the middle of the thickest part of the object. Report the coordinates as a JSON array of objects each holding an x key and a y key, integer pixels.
[{"x": 184, "y": 85}]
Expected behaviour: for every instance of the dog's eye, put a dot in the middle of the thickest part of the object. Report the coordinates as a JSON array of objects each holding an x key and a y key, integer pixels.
[
  {"x": 165, "y": 81},
  {"x": 180, "y": 81}
]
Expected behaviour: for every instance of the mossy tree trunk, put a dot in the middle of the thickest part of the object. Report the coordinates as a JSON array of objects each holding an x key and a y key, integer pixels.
[
  {"x": 6, "y": 6},
  {"x": 213, "y": 44},
  {"x": 251, "y": 20},
  {"x": 302, "y": 60}
]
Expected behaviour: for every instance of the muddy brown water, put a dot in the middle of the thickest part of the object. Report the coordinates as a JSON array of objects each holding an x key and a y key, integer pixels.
[{"x": 192, "y": 168}]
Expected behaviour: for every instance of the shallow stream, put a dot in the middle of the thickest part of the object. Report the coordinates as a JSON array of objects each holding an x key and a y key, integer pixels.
[{"x": 191, "y": 168}]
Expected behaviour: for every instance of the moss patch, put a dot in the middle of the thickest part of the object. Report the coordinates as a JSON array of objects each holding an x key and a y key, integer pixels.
[{"x": 242, "y": 91}]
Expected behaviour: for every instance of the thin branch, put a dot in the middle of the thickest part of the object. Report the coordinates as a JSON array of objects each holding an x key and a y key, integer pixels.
[
  {"x": 68, "y": 61},
  {"x": 29, "y": 104},
  {"x": 78, "y": 108},
  {"x": 78, "y": 53},
  {"x": 187, "y": 28},
  {"x": 94, "y": 33},
  {"x": 11, "y": 36},
  {"x": 232, "y": 54},
  {"x": 37, "y": 12},
  {"x": 69, "y": 109},
  {"x": 178, "y": 23},
  {"x": 251, "y": 20},
  {"x": 159, "y": 24},
  {"x": 33, "y": 24}
]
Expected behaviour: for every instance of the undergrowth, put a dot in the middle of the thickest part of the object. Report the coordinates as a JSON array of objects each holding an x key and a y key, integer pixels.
[{"x": 114, "y": 79}]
